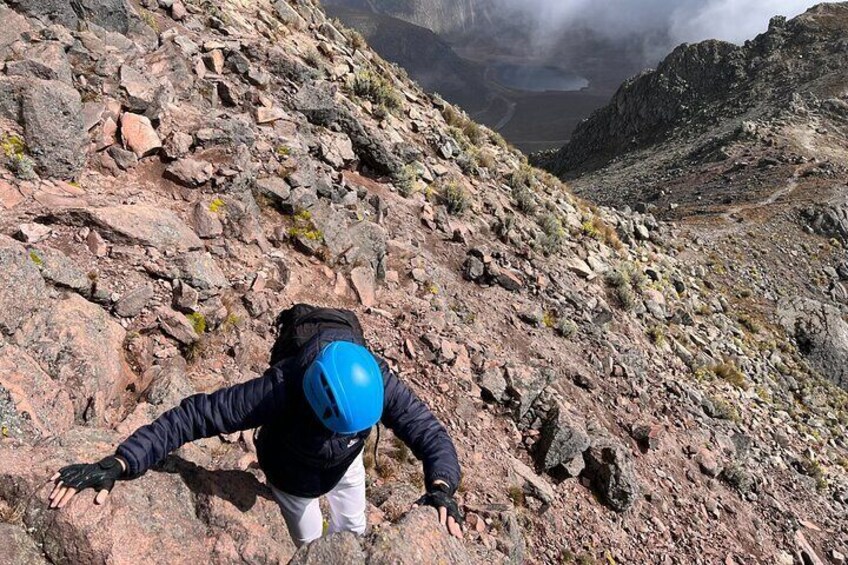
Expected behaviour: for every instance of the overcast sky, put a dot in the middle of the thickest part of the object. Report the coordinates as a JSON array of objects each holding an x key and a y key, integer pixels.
[{"x": 668, "y": 22}]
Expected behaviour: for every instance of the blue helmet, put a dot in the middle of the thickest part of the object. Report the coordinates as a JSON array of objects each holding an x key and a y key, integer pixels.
[{"x": 344, "y": 387}]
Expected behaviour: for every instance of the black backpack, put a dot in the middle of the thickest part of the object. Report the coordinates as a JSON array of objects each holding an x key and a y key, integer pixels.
[{"x": 298, "y": 325}]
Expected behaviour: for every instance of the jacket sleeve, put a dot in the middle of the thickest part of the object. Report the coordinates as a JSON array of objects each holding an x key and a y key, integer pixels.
[
  {"x": 410, "y": 420},
  {"x": 239, "y": 407}
]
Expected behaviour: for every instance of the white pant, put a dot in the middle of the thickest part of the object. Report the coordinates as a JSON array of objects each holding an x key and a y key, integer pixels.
[{"x": 347, "y": 508}]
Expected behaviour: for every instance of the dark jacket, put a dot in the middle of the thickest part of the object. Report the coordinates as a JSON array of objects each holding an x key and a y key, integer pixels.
[{"x": 297, "y": 453}]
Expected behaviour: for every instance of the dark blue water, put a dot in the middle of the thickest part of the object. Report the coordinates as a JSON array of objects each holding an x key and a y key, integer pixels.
[{"x": 538, "y": 79}]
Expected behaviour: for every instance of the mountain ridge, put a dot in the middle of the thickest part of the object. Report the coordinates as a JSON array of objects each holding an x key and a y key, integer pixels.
[{"x": 614, "y": 392}]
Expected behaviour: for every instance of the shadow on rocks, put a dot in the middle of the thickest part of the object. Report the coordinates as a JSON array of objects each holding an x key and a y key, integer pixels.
[{"x": 239, "y": 488}]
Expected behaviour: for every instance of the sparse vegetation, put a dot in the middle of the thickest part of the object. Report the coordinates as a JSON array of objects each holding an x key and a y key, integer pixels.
[
  {"x": 452, "y": 117},
  {"x": 566, "y": 328},
  {"x": 355, "y": 39},
  {"x": 14, "y": 150},
  {"x": 217, "y": 206},
  {"x": 748, "y": 323},
  {"x": 626, "y": 282},
  {"x": 455, "y": 197},
  {"x": 148, "y": 18},
  {"x": 304, "y": 227},
  {"x": 737, "y": 477},
  {"x": 597, "y": 228},
  {"x": 730, "y": 373},
  {"x": 516, "y": 495},
  {"x": 657, "y": 335},
  {"x": 198, "y": 322},
  {"x": 405, "y": 181},
  {"x": 314, "y": 59},
  {"x": 370, "y": 86},
  {"x": 473, "y": 132},
  {"x": 36, "y": 258},
  {"x": 553, "y": 234}
]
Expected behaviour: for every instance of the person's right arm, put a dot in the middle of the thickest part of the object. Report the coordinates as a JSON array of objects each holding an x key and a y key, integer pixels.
[{"x": 239, "y": 407}]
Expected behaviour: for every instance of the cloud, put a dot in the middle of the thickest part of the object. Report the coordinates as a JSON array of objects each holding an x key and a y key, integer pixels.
[{"x": 663, "y": 23}]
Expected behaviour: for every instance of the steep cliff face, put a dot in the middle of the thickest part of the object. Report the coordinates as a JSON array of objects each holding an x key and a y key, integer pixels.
[
  {"x": 706, "y": 88},
  {"x": 423, "y": 54},
  {"x": 440, "y": 16},
  {"x": 171, "y": 177}
]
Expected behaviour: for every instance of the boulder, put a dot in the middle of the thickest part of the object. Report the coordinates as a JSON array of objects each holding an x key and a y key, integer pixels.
[
  {"x": 23, "y": 290},
  {"x": 343, "y": 548},
  {"x": 609, "y": 468},
  {"x": 112, "y": 15},
  {"x": 79, "y": 345},
  {"x": 46, "y": 61},
  {"x": 319, "y": 104},
  {"x": 133, "y": 302},
  {"x": 135, "y": 224},
  {"x": 821, "y": 334},
  {"x": 190, "y": 172},
  {"x": 48, "y": 407},
  {"x": 199, "y": 269},
  {"x": 18, "y": 548},
  {"x": 51, "y": 113},
  {"x": 417, "y": 539},
  {"x": 560, "y": 448},
  {"x": 180, "y": 513},
  {"x": 139, "y": 135},
  {"x": 60, "y": 270}
]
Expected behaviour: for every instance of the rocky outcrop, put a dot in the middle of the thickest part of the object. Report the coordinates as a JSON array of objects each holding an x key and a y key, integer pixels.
[
  {"x": 699, "y": 86},
  {"x": 416, "y": 539},
  {"x": 821, "y": 334}
]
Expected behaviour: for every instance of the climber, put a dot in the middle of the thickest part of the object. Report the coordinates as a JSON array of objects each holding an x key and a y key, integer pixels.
[{"x": 312, "y": 410}]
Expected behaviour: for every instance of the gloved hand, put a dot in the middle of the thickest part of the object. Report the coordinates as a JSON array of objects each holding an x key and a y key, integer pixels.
[
  {"x": 439, "y": 496},
  {"x": 100, "y": 476}
]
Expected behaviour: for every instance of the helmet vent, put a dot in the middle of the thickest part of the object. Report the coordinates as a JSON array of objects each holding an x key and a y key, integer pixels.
[{"x": 333, "y": 408}]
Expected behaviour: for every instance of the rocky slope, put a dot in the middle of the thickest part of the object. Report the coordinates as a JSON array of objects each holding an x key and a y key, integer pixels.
[
  {"x": 175, "y": 173},
  {"x": 430, "y": 61},
  {"x": 706, "y": 104},
  {"x": 441, "y": 16}
]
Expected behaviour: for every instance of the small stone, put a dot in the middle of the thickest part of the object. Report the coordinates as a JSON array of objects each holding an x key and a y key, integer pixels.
[
  {"x": 473, "y": 269},
  {"x": 9, "y": 195},
  {"x": 580, "y": 267},
  {"x": 362, "y": 279},
  {"x": 178, "y": 11},
  {"x": 190, "y": 172},
  {"x": 178, "y": 144},
  {"x": 214, "y": 61},
  {"x": 96, "y": 244},
  {"x": 177, "y": 326},
  {"x": 32, "y": 233},
  {"x": 185, "y": 297},
  {"x": 207, "y": 224},
  {"x": 138, "y": 135},
  {"x": 708, "y": 463},
  {"x": 647, "y": 435},
  {"x": 108, "y": 134},
  {"x": 124, "y": 159},
  {"x": 266, "y": 115},
  {"x": 133, "y": 302}
]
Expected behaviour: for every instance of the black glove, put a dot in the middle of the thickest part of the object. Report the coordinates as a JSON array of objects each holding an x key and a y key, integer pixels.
[
  {"x": 99, "y": 476},
  {"x": 440, "y": 496}
]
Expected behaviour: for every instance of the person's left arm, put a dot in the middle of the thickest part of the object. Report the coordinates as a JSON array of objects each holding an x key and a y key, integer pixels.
[{"x": 413, "y": 422}]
